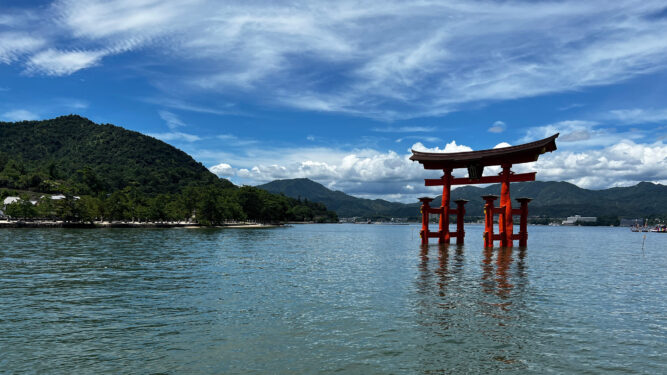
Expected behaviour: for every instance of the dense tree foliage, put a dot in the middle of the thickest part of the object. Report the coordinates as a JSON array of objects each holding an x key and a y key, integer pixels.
[
  {"x": 72, "y": 154},
  {"x": 207, "y": 205},
  {"x": 109, "y": 173}
]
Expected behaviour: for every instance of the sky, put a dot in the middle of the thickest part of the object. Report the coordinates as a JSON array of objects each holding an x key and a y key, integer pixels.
[{"x": 340, "y": 92}]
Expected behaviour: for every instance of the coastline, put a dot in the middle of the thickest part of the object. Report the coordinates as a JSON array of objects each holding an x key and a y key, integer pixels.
[{"x": 119, "y": 224}]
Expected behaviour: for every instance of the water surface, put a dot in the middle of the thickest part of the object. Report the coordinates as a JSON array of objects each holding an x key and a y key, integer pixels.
[{"x": 358, "y": 299}]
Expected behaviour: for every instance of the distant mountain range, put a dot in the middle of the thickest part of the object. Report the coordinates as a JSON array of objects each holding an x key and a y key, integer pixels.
[
  {"x": 550, "y": 199},
  {"x": 343, "y": 204}
]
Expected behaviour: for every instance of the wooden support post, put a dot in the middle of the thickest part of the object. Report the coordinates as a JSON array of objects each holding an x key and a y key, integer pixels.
[
  {"x": 523, "y": 224},
  {"x": 426, "y": 208},
  {"x": 507, "y": 226},
  {"x": 488, "y": 219},
  {"x": 460, "y": 212},
  {"x": 444, "y": 217}
]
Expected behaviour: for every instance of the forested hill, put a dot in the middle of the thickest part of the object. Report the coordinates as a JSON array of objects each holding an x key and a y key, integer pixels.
[
  {"x": 72, "y": 153},
  {"x": 562, "y": 199},
  {"x": 108, "y": 173},
  {"x": 550, "y": 199},
  {"x": 345, "y": 205}
]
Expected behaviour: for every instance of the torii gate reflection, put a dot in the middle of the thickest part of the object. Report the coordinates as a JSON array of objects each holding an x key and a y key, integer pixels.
[{"x": 475, "y": 161}]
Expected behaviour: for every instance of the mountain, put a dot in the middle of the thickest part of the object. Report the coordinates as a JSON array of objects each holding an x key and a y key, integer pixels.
[
  {"x": 110, "y": 173},
  {"x": 343, "y": 204},
  {"x": 550, "y": 199},
  {"x": 561, "y": 199},
  {"x": 79, "y": 154}
]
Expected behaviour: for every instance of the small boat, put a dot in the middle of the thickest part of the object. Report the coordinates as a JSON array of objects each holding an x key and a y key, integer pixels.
[{"x": 660, "y": 228}]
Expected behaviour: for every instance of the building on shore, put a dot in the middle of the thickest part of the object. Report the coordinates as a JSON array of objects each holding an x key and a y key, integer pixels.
[
  {"x": 10, "y": 200},
  {"x": 577, "y": 219}
]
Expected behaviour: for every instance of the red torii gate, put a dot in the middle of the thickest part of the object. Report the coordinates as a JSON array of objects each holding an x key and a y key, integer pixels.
[{"x": 475, "y": 161}]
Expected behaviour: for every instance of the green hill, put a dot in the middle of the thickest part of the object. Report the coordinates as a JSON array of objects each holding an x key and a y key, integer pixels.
[
  {"x": 71, "y": 152},
  {"x": 551, "y": 199},
  {"x": 110, "y": 173}
]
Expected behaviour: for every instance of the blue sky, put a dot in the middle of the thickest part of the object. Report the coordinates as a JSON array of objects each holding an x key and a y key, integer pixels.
[{"x": 341, "y": 91}]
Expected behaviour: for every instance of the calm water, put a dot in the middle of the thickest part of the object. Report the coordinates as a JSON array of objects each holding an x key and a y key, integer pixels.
[{"x": 359, "y": 299}]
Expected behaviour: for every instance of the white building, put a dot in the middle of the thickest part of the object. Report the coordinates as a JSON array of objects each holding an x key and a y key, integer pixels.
[
  {"x": 573, "y": 220},
  {"x": 10, "y": 200},
  {"x": 57, "y": 197}
]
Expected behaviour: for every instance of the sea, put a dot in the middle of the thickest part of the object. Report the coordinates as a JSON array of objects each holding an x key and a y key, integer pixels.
[{"x": 331, "y": 299}]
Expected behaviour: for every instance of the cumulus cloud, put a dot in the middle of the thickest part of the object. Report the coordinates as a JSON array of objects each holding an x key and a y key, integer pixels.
[
  {"x": 449, "y": 147},
  {"x": 621, "y": 164},
  {"x": 20, "y": 115},
  {"x": 223, "y": 170},
  {"x": 391, "y": 175},
  {"x": 502, "y": 144},
  {"x": 357, "y": 57}
]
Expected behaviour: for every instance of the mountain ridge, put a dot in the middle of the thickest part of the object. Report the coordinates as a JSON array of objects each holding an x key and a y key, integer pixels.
[{"x": 550, "y": 199}]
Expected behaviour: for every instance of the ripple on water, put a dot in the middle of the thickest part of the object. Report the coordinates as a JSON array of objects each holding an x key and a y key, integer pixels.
[{"x": 329, "y": 298}]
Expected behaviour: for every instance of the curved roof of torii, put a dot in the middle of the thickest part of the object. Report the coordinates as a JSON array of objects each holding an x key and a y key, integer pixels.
[{"x": 525, "y": 153}]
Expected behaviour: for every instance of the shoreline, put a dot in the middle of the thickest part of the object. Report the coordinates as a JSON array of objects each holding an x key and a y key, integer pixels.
[{"x": 106, "y": 224}]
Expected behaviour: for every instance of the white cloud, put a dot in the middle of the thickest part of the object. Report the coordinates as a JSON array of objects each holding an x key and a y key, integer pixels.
[
  {"x": 419, "y": 138},
  {"x": 176, "y": 136},
  {"x": 123, "y": 18},
  {"x": 582, "y": 134},
  {"x": 449, "y": 147},
  {"x": 223, "y": 170},
  {"x": 639, "y": 116},
  {"x": 57, "y": 63},
  {"x": 13, "y": 45},
  {"x": 624, "y": 163},
  {"x": 172, "y": 120},
  {"x": 234, "y": 141},
  {"x": 224, "y": 109},
  {"x": 72, "y": 103},
  {"x": 20, "y": 115},
  {"x": 389, "y": 175},
  {"x": 358, "y": 57},
  {"x": 502, "y": 144},
  {"x": 498, "y": 127}
]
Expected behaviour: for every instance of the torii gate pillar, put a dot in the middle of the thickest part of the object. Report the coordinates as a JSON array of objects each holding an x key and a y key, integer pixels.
[{"x": 506, "y": 225}]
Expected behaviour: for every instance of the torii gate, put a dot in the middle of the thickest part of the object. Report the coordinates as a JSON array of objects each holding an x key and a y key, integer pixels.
[{"x": 475, "y": 161}]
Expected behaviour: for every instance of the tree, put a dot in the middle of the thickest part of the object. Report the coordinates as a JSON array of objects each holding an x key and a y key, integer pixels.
[{"x": 21, "y": 209}]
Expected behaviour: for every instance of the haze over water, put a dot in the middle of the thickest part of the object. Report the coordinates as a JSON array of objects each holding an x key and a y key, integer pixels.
[{"x": 330, "y": 298}]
